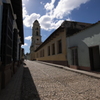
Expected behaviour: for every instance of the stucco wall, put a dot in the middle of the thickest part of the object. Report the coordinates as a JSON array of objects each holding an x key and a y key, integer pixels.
[
  {"x": 0, "y": 36},
  {"x": 0, "y": 22},
  {"x": 56, "y": 56},
  {"x": 84, "y": 39}
]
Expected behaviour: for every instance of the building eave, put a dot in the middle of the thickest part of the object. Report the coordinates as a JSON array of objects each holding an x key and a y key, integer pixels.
[
  {"x": 91, "y": 25},
  {"x": 17, "y": 7}
]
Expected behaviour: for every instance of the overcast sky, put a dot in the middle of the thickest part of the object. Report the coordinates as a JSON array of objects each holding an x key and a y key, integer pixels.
[{"x": 51, "y": 13}]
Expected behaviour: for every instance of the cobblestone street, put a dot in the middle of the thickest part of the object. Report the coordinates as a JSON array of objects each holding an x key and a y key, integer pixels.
[{"x": 45, "y": 82}]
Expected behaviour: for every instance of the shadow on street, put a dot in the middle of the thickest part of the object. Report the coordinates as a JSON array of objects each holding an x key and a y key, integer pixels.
[{"x": 29, "y": 91}]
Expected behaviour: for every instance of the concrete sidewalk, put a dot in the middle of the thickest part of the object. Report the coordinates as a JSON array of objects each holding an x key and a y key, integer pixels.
[
  {"x": 13, "y": 90},
  {"x": 92, "y": 74}
]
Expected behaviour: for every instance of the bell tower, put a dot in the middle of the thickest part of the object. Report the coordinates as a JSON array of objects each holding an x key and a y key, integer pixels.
[{"x": 36, "y": 39}]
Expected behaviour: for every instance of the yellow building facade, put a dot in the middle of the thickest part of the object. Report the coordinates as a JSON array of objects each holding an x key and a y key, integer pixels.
[{"x": 53, "y": 49}]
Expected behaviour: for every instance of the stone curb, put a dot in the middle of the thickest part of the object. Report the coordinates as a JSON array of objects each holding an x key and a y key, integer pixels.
[{"x": 91, "y": 74}]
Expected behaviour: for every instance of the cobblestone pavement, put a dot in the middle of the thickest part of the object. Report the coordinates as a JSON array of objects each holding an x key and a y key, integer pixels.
[{"x": 44, "y": 82}]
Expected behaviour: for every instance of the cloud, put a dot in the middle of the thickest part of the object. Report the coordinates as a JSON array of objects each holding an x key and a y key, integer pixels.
[
  {"x": 24, "y": 11},
  {"x": 65, "y": 7},
  {"x": 25, "y": 0},
  {"x": 48, "y": 23},
  {"x": 68, "y": 19},
  {"x": 54, "y": 14},
  {"x": 56, "y": 24},
  {"x": 23, "y": 4},
  {"x": 28, "y": 21},
  {"x": 28, "y": 38},
  {"x": 42, "y": 3},
  {"x": 45, "y": 22},
  {"x": 49, "y": 6},
  {"x": 25, "y": 44}
]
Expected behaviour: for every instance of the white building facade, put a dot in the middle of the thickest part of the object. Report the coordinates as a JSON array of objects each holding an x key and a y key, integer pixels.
[{"x": 83, "y": 48}]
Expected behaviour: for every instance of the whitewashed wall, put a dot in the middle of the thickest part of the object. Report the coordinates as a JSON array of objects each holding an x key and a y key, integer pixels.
[{"x": 84, "y": 39}]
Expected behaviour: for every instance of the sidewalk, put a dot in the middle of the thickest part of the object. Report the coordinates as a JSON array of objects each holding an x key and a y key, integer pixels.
[
  {"x": 91, "y": 74},
  {"x": 13, "y": 90}
]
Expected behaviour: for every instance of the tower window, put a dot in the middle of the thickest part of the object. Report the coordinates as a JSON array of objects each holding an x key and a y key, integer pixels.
[
  {"x": 37, "y": 33},
  {"x": 37, "y": 40},
  {"x": 37, "y": 28}
]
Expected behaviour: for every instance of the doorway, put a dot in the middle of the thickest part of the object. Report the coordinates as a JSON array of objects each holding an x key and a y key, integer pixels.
[{"x": 94, "y": 58}]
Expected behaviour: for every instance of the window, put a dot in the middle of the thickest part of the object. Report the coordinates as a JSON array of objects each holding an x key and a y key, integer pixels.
[
  {"x": 37, "y": 28},
  {"x": 48, "y": 50},
  {"x": 37, "y": 40},
  {"x": 37, "y": 33},
  {"x": 59, "y": 46},
  {"x": 37, "y": 55},
  {"x": 40, "y": 53},
  {"x": 36, "y": 47},
  {"x": 43, "y": 52},
  {"x": 74, "y": 56},
  {"x": 9, "y": 38},
  {"x": 53, "y": 49}
]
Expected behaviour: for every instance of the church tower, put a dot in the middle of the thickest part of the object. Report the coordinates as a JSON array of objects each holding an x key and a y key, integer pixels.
[{"x": 36, "y": 39}]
